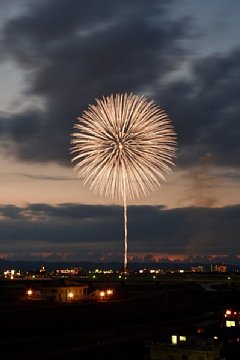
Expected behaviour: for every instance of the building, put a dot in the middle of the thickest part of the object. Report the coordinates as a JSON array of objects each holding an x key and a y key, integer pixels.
[
  {"x": 65, "y": 292},
  {"x": 102, "y": 294},
  {"x": 220, "y": 268},
  {"x": 231, "y": 318},
  {"x": 185, "y": 348},
  {"x": 69, "y": 272},
  {"x": 198, "y": 269},
  {"x": 230, "y": 333}
]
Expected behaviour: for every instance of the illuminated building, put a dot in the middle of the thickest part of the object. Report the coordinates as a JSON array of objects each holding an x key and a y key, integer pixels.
[
  {"x": 198, "y": 269},
  {"x": 102, "y": 295},
  {"x": 221, "y": 268},
  {"x": 58, "y": 293},
  {"x": 232, "y": 318},
  {"x": 10, "y": 274},
  {"x": 185, "y": 348},
  {"x": 67, "y": 272},
  {"x": 42, "y": 270}
]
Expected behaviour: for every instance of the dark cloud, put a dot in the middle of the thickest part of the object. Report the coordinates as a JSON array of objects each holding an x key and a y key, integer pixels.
[
  {"x": 206, "y": 110},
  {"x": 77, "y": 51},
  {"x": 190, "y": 232},
  {"x": 74, "y": 211},
  {"x": 11, "y": 212}
]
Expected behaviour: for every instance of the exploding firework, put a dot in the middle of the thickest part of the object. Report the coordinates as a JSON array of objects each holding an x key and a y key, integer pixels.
[{"x": 123, "y": 147}]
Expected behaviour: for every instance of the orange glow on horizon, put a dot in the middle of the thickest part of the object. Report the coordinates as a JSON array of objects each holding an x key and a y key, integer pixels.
[
  {"x": 157, "y": 257},
  {"x": 164, "y": 256}
]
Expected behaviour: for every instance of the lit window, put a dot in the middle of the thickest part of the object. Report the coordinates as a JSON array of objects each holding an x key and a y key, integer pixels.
[
  {"x": 70, "y": 295},
  {"x": 182, "y": 338},
  {"x": 230, "y": 323},
  {"x": 174, "y": 339},
  {"x": 228, "y": 312}
]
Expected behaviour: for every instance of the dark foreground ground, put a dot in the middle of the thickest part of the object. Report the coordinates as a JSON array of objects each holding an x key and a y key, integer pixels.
[{"x": 111, "y": 330}]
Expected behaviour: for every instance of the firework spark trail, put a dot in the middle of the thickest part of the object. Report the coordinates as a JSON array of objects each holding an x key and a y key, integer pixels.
[
  {"x": 125, "y": 230},
  {"x": 123, "y": 146}
]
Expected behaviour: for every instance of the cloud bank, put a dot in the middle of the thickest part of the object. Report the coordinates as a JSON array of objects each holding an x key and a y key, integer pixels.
[{"x": 184, "y": 233}]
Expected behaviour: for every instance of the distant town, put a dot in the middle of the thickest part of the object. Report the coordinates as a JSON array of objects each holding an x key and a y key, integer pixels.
[
  {"x": 74, "y": 283},
  {"x": 188, "y": 312},
  {"x": 20, "y": 269}
]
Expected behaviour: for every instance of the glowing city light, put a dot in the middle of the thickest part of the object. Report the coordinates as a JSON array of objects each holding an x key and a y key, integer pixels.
[{"x": 70, "y": 295}]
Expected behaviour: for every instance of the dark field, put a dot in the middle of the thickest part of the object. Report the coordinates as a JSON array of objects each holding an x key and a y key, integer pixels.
[{"x": 115, "y": 329}]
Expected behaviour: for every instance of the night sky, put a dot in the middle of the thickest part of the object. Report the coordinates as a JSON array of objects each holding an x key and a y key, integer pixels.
[{"x": 56, "y": 57}]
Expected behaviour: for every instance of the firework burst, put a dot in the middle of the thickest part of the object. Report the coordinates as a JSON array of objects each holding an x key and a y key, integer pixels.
[{"x": 123, "y": 146}]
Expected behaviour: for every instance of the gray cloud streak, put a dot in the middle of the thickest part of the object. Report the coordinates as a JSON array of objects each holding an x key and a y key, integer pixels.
[{"x": 186, "y": 231}]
